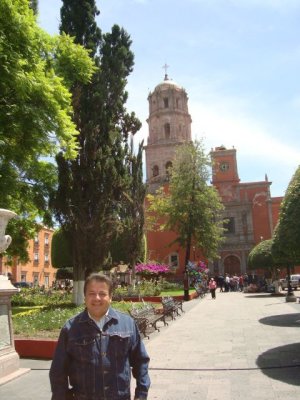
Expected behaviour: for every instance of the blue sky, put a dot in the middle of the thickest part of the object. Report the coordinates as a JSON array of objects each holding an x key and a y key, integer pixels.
[{"x": 238, "y": 60}]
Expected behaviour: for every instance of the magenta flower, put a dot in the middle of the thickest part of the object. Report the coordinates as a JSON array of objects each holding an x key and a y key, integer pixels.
[{"x": 152, "y": 268}]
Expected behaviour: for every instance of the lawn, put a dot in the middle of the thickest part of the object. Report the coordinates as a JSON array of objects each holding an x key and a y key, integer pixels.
[{"x": 47, "y": 321}]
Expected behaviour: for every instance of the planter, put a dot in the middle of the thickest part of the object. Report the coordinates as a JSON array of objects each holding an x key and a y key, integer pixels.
[{"x": 35, "y": 348}]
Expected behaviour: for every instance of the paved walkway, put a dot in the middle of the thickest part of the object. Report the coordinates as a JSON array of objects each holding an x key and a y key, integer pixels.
[{"x": 239, "y": 346}]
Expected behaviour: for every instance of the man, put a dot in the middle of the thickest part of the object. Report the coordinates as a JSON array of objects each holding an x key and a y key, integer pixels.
[{"x": 97, "y": 349}]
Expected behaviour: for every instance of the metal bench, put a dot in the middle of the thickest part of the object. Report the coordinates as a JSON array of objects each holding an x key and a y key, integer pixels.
[
  {"x": 172, "y": 307},
  {"x": 147, "y": 316}
]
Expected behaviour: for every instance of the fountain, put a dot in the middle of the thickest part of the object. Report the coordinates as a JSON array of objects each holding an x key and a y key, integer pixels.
[{"x": 9, "y": 359}]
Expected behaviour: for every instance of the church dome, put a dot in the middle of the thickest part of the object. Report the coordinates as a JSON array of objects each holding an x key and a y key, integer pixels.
[{"x": 167, "y": 84}]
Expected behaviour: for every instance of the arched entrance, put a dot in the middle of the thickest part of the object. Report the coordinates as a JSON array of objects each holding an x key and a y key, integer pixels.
[{"x": 232, "y": 265}]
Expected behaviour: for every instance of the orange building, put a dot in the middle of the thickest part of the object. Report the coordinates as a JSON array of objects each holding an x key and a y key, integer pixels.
[
  {"x": 38, "y": 271},
  {"x": 250, "y": 211}
]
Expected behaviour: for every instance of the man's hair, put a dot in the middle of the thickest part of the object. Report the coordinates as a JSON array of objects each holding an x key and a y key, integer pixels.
[{"x": 95, "y": 276}]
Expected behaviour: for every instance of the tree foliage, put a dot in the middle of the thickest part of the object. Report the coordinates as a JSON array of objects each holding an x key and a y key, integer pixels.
[
  {"x": 61, "y": 255},
  {"x": 94, "y": 187},
  {"x": 36, "y": 71},
  {"x": 261, "y": 256},
  {"x": 189, "y": 206},
  {"x": 132, "y": 212},
  {"x": 286, "y": 237}
]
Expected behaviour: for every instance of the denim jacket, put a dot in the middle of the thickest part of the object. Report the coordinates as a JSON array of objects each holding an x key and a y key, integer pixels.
[{"x": 97, "y": 363}]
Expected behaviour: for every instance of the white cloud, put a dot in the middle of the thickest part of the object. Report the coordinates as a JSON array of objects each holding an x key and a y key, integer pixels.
[{"x": 220, "y": 126}]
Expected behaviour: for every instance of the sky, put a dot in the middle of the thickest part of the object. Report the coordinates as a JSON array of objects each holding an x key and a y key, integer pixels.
[{"x": 239, "y": 62}]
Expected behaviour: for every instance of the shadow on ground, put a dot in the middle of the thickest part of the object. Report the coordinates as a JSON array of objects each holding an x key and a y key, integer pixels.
[
  {"x": 282, "y": 363},
  {"x": 257, "y": 296},
  {"x": 285, "y": 320}
]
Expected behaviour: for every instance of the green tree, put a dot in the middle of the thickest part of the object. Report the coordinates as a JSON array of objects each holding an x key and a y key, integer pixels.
[
  {"x": 36, "y": 71},
  {"x": 189, "y": 207},
  {"x": 261, "y": 257},
  {"x": 133, "y": 209},
  {"x": 93, "y": 187},
  {"x": 61, "y": 255},
  {"x": 286, "y": 237}
]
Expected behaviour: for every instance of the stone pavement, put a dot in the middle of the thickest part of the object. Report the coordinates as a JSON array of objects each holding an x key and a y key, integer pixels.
[{"x": 239, "y": 346}]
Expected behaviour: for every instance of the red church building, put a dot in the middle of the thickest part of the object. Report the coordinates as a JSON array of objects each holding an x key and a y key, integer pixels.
[{"x": 250, "y": 210}]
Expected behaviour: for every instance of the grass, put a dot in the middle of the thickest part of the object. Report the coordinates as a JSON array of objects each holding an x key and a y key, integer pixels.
[
  {"x": 175, "y": 292},
  {"x": 47, "y": 321}
]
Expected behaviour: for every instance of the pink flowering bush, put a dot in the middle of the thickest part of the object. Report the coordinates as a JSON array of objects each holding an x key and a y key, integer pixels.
[{"x": 152, "y": 268}]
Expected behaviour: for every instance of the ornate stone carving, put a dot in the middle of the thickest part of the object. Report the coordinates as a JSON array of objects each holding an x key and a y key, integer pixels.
[{"x": 5, "y": 216}]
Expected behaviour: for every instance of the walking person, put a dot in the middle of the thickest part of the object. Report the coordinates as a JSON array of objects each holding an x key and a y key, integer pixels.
[
  {"x": 220, "y": 283},
  {"x": 212, "y": 287},
  {"x": 97, "y": 349}
]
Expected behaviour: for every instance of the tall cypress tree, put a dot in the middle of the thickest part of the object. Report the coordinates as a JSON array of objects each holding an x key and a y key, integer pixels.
[{"x": 92, "y": 187}]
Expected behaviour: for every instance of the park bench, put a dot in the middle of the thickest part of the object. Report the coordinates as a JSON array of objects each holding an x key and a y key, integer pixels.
[
  {"x": 146, "y": 317},
  {"x": 172, "y": 307}
]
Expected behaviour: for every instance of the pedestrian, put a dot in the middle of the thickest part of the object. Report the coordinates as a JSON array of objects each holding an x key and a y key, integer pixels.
[
  {"x": 212, "y": 287},
  {"x": 241, "y": 283},
  {"x": 97, "y": 349},
  {"x": 220, "y": 283},
  {"x": 227, "y": 283}
]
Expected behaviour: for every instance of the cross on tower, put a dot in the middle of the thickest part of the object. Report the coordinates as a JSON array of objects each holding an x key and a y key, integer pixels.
[{"x": 165, "y": 67}]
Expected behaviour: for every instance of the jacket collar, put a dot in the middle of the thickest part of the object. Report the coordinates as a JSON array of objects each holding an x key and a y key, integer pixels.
[{"x": 112, "y": 314}]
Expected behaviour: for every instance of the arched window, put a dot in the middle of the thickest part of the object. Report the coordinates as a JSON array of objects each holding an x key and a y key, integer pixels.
[
  {"x": 167, "y": 130},
  {"x": 173, "y": 261},
  {"x": 166, "y": 102},
  {"x": 168, "y": 168},
  {"x": 155, "y": 170}
]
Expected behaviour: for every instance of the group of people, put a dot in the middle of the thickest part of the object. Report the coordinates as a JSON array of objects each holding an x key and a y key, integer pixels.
[
  {"x": 228, "y": 283},
  {"x": 232, "y": 283}
]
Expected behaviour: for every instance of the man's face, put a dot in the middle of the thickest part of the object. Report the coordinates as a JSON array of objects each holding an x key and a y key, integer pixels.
[{"x": 97, "y": 299}]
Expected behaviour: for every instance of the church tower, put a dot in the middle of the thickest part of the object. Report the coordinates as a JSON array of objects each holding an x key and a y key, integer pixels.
[
  {"x": 169, "y": 125},
  {"x": 225, "y": 172}
]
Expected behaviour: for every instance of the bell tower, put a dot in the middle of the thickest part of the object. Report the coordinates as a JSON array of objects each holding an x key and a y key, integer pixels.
[
  {"x": 225, "y": 172},
  {"x": 169, "y": 125}
]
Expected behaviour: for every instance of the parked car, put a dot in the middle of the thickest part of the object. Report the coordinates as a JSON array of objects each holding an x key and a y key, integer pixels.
[
  {"x": 23, "y": 285},
  {"x": 295, "y": 282}
]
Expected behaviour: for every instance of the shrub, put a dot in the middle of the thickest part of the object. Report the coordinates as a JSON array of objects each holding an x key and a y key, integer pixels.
[{"x": 39, "y": 297}]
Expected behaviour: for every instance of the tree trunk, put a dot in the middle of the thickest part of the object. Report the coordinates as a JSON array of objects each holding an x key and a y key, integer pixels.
[{"x": 186, "y": 283}]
